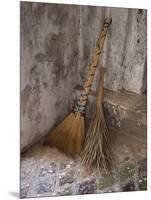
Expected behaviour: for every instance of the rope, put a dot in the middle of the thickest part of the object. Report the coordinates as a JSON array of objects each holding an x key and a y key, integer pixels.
[{"x": 81, "y": 103}]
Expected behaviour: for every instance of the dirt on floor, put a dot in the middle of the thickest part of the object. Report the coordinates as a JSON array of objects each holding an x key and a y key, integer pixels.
[{"x": 46, "y": 171}]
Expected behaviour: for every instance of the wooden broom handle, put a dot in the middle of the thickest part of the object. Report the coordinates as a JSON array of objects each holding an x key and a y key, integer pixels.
[
  {"x": 99, "y": 97},
  {"x": 92, "y": 67}
]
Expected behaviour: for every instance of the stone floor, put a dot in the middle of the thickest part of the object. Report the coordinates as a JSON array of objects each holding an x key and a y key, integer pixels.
[{"x": 47, "y": 172}]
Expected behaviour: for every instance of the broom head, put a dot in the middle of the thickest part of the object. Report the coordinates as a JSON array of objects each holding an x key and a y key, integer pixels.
[
  {"x": 68, "y": 136},
  {"x": 96, "y": 153}
]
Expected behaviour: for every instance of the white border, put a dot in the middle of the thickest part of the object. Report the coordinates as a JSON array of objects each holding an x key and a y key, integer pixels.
[
  {"x": 9, "y": 97},
  {"x": 115, "y": 3}
]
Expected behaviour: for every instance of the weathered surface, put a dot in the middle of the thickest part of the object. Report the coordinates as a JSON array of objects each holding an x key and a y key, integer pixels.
[
  {"x": 125, "y": 49},
  {"x": 124, "y": 111},
  {"x": 57, "y": 44},
  {"x": 49, "y": 57},
  {"x": 47, "y": 172}
]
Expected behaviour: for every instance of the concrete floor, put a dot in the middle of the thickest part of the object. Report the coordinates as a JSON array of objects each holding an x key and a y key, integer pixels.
[{"x": 47, "y": 172}]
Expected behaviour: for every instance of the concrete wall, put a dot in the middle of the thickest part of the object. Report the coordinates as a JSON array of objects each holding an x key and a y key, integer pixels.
[
  {"x": 57, "y": 44},
  {"x": 49, "y": 57},
  {"x": 124, "y": 54}
]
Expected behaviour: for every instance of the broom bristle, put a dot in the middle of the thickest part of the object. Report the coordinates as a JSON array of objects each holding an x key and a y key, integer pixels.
[
  {"x": 96, "y": 153},
  {"x": 68, "y": 136}
]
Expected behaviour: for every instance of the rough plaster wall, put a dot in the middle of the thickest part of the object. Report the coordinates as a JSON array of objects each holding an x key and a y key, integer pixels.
[
  {"x": 49, "y": 56},
  {"x": 124, "y": 54},
  {"x": 57, "y": 44}
]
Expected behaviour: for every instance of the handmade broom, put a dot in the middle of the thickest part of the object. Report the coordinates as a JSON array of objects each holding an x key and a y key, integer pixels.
[
  {"x": 69, "y": 135},
  {"x": 96, "y": 153}
]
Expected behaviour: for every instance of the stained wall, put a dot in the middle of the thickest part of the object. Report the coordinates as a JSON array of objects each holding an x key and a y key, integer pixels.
[{"x": 57, "y": 44}]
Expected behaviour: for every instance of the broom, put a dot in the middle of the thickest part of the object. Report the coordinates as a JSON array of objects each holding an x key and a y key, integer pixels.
[
  {"x": 69, "y": 135},
  {"x": 96, "y": 153}
]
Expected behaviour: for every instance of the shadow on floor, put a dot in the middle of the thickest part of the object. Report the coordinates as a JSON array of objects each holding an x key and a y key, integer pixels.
[{"x": 15, "y": 194}]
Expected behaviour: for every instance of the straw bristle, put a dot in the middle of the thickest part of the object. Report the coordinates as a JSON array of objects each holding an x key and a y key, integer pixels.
[
  {"x": 68, "y": 136},
  {"x": 96, "y": 153}
]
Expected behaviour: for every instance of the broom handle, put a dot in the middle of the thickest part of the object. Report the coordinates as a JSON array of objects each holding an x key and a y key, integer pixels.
[
  {"x": 99, "y": 98},
  {"x": 80, "y": 107}
]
